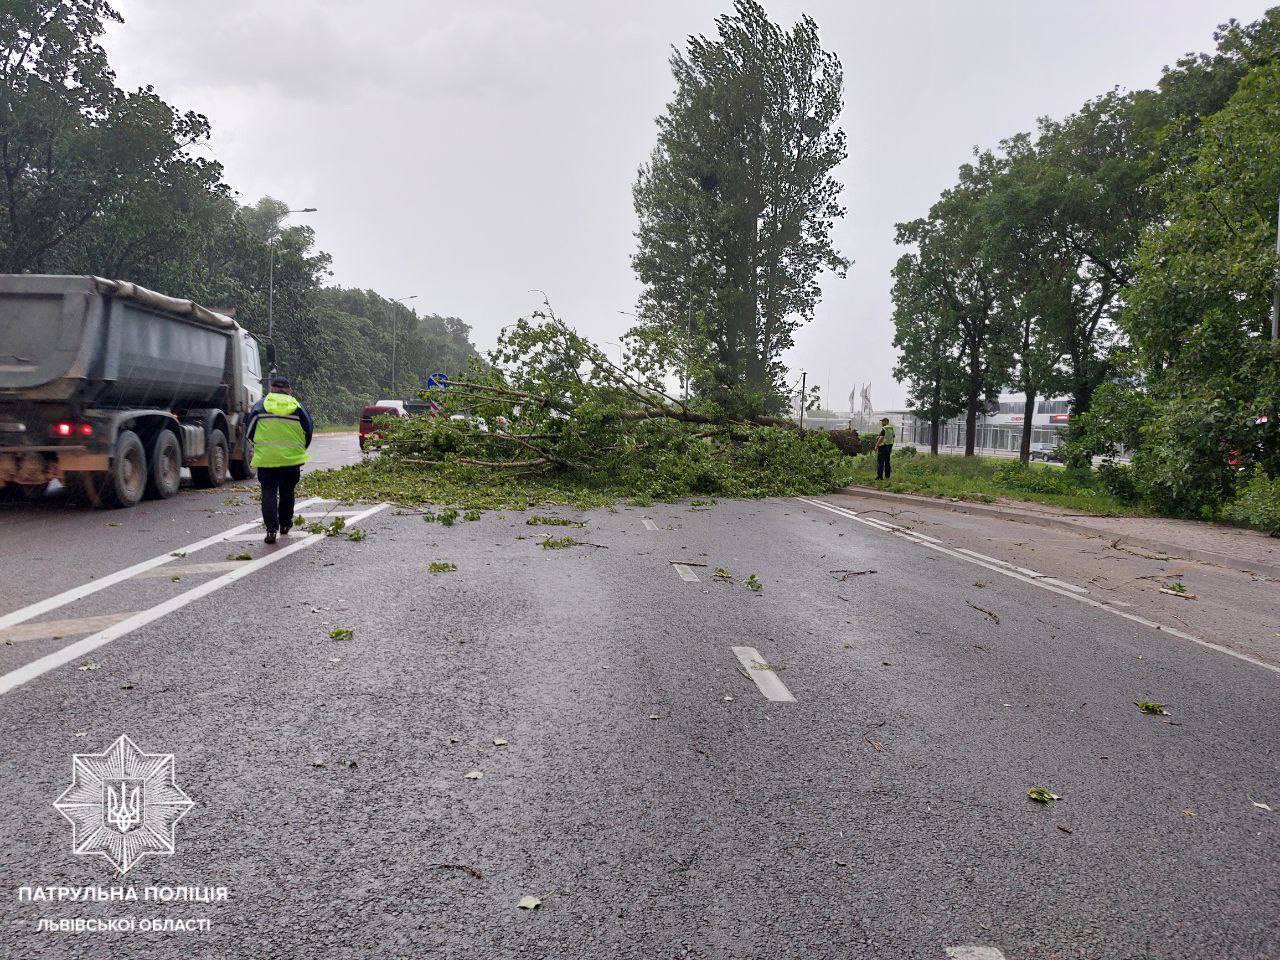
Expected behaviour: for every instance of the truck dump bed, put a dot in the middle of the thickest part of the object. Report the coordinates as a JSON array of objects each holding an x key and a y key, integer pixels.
[{"x": 109, "y": 343}]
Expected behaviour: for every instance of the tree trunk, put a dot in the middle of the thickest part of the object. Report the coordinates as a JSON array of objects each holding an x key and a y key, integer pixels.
[
  {"x": 1028, "y": 415},
  {"x": 971, "y": 413},
  {"x": 935, "y": 414}
]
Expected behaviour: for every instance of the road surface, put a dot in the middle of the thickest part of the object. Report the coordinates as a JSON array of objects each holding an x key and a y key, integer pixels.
[{"x": 671, "y": 763}]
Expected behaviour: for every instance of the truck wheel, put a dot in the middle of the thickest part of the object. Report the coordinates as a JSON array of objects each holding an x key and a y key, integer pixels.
[
  {"x": 242, "y": 469},
  {"x": 214, "y": 473},
  {"x": 165, "y": 476},
  {"x": 126, "y": 480}
]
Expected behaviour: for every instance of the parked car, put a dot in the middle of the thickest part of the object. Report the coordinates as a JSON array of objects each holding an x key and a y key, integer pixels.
[
  {"x": 383, "y": 408},
  {"x": 1047, "y": 452}
]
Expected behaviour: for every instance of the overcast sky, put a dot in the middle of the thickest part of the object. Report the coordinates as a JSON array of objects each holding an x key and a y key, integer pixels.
[{"x": 470, "y": 151}]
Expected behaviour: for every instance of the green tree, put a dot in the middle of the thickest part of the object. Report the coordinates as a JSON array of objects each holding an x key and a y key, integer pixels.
[
  {"x": 737, "y": 202},
  {"x": 955, "y": 266},
  {"x": 927, "y": 338}
]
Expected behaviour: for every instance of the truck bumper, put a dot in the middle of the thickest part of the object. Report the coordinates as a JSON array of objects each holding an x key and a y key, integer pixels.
[{"x": 32, "y": 465}]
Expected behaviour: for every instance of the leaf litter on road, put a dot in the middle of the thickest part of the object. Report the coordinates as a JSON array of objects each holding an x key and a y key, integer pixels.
[
  {"x": 529, "y": 903},
  {"x": 1041, "y": 795}
]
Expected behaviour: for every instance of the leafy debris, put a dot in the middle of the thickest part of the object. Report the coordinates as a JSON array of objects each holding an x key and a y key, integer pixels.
[{"x": 1041, "y": 795}]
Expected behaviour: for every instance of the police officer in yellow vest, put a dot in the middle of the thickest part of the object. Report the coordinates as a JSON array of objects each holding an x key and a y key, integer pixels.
[
  {"x": 280, "y": 428},
  {"x": 884, "y": 449}
]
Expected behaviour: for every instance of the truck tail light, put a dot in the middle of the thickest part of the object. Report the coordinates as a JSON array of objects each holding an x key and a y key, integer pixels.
[{"x": 64, "y": 428}]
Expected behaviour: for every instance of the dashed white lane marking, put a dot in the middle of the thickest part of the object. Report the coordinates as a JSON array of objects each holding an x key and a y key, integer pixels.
[
  {"x": 1043, "y": 585},
  {"x": 764, "y": 676},
  {"x": 17, "y": 678},
  {"x": 60, "y": 628},
  {"x": 187, "y": 569},
  {"x": 687, "y": 575},
  {"x": 648, "y": 524},
  {"x": 111, "y": 579},
  {"x": 974, "y": 953}
]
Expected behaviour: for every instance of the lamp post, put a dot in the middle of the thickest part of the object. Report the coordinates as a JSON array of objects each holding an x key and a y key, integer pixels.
[
  {"x": 271, "y": 279},
  {"x": 394, "y": 328}
]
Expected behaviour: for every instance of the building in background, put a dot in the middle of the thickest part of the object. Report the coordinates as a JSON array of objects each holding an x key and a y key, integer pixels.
[{"x": 998, "y": 430}]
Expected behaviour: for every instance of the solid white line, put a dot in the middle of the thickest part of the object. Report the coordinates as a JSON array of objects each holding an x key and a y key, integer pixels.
[
  {"x": 111, "y": 579},
  {"x": 648, "y": 524},
  {"x": 974, "y": 953},
  {"x": 1040, "y": 582},
  {"x": 687, "y": 575},
  {"x": 764, "y": 676},
  {"x": 17, "y": 678}
]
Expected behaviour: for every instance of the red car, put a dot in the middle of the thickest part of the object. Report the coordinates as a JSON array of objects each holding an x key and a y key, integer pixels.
[{"x": 383, "y": 408}]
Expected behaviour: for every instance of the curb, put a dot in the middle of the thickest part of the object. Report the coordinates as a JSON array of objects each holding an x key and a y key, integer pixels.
[{"x": 1256, "y": 567}]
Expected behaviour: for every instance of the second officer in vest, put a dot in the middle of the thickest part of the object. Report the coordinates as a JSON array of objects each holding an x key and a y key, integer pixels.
[{"x": 280, "y": 428}]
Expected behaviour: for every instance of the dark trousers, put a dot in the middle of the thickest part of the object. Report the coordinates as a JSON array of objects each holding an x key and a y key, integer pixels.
[
  {"x": 278, "y": 484},
  {"x": 883, "y": 468}
]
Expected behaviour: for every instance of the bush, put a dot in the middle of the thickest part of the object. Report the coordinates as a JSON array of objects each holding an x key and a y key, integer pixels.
[
  {"x": 1257, "y": 504},
  {"x": 902, "y": 453},
  {"x": 1117, "y": 480}
]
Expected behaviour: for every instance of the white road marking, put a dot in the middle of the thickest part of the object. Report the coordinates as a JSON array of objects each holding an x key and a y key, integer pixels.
[
  {"x": 1009, "y": 571},
  {"x": 1034, "y": 574},
  {"x": 36, "y": 668},
  {"x": 59, "y": 628},
  {"x": 111, "y": 579},
  {"x": 687, "y": 575},
  {"x": 187, "y": 569},
  {"x": 764, "y": 676},
  {"x": 325, "y": 516},
  {"x": 974, "y": 953},
  {"x": 648, "y": 524}
]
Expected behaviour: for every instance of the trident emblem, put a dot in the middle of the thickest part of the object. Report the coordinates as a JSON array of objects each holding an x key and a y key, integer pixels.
[{"x": 124, "y": 805}]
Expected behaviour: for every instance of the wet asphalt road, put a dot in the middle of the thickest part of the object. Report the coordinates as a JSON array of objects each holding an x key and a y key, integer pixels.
[{"x": 648, "y": 794}]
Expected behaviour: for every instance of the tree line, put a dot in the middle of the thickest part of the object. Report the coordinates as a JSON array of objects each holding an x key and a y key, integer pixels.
[
  {"x": 98, "y": 180},
  {"x": 1124, "y": 256}
]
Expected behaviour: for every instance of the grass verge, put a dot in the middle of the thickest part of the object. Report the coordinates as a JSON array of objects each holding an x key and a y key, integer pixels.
[{"x": 988, "y": 479}]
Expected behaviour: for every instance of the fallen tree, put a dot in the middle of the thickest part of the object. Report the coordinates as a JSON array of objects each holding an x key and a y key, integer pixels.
[{"x": 552, "y": 418}]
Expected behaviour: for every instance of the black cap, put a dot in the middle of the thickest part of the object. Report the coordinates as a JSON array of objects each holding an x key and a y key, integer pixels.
[{"x": 280, "y": 382}]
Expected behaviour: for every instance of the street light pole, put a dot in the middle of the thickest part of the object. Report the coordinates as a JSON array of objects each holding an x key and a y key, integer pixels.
[
  {"x": 271, "y": 279},
  {"x": 394, "y": 329}
]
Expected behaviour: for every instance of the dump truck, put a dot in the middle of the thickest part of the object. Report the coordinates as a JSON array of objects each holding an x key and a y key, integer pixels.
[{"x": 112, "y": 389}]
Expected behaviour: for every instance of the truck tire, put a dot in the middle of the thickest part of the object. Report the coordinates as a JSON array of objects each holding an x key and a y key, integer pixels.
[
  {"x": 125, "y": 481},
  {"x": 214, "y": 473},
  {"x": 165, "y": 474},
  {"x": 242, "y": 469}
]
